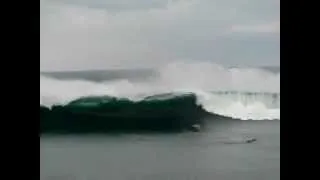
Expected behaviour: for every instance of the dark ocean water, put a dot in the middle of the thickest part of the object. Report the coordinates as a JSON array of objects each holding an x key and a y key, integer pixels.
[{"x": 220, "y": 152}]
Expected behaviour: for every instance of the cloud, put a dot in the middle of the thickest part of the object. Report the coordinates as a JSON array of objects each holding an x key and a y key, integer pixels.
[{"x": 101, "y": 34}]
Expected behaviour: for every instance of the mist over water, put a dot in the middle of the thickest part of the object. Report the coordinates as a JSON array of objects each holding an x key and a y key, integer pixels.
[{"x": 237, "y": 93}]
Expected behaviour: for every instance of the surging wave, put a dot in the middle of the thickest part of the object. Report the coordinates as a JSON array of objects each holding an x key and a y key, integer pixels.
[
  {"x": 237, "y": 93},
  {"x": 101, "y": 114}
]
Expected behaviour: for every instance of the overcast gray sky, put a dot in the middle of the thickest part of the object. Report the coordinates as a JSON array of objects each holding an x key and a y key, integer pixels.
[{"x": 104, "y": 34}]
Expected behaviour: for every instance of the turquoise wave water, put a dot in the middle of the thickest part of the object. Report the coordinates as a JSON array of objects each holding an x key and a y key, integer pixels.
[{"x": 102, "y": 114}]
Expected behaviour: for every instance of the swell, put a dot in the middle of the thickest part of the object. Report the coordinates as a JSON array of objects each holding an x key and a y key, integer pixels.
[{"x": 103, "y": 114}]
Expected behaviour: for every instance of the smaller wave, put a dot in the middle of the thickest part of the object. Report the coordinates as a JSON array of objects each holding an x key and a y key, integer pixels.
[
  {"x": 242, "y": 105},
  {"x": 100, "y": 114}
]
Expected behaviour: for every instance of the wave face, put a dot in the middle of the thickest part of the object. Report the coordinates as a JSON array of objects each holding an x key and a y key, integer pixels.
[
  {"x": 233, "y": 92},
  {"x": 163, "y": 112}
]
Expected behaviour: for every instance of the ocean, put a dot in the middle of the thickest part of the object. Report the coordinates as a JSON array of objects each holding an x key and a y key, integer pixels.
[{"x": 136, "y": 124}]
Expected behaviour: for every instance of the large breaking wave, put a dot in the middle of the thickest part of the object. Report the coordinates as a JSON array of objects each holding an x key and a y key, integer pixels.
[
  {"x": 165, "y": 112},
  {"x": 237, "y": 93}
]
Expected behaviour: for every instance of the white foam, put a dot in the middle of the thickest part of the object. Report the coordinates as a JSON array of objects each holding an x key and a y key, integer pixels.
[
  {"x": 245, "y": 106},
  {"x": 201, "y": 78}
]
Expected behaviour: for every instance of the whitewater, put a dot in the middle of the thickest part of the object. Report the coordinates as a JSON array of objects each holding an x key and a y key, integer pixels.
[{"x": 241, "y": 93}]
